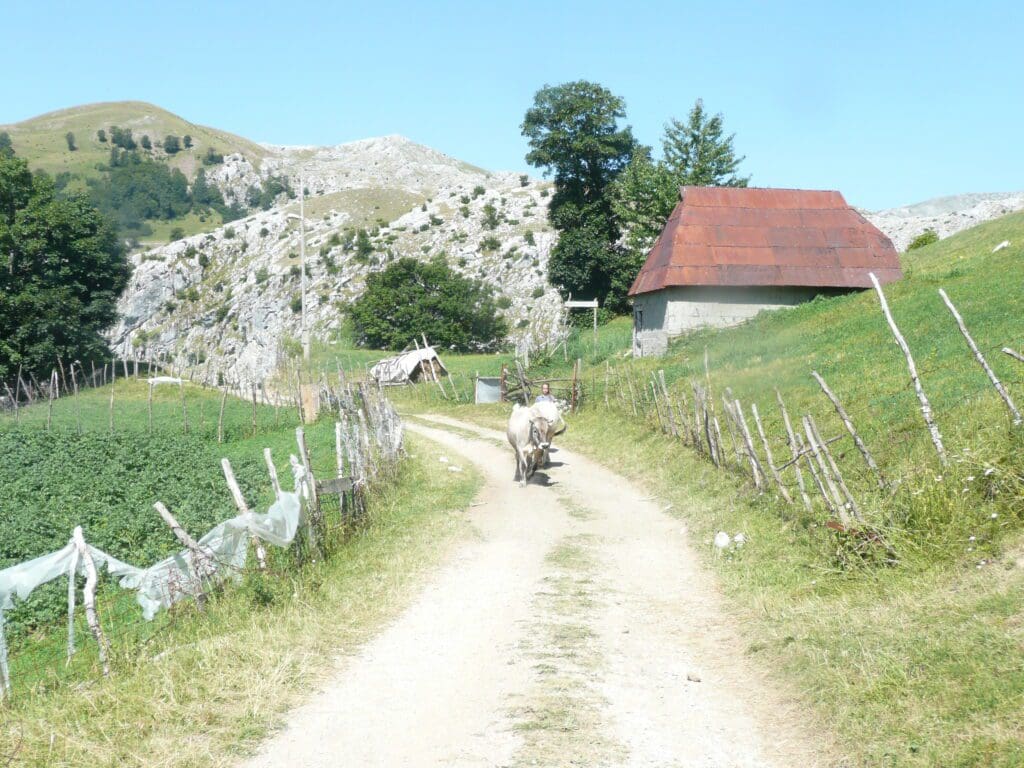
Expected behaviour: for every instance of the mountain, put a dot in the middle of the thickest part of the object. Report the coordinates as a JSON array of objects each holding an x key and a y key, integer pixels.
[
  {"x": 945, "y": 215},
  {"x": 41, "y": 140},
  {"x": 227, "y": 301}
]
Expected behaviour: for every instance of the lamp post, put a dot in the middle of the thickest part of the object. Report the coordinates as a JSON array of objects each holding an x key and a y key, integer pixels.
[{"x": 304, "y": 328}]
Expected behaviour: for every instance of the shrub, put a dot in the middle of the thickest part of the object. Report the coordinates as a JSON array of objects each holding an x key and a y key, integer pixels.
[
  {"x": 187, "y": 141},
  {"x": 529, "y": 238},
  {"x": 543, "y": 193},
  {"x": 176, "y": 234},
  {"x": 436, "y": 221},
  {"x": 490, "y": 220},
  {"x": 262, "y": 275},
  {"x": 537, "y": 292},
  {"x": 927, "y": 237},
  {"x": 490, "y": 243},
  {"x": 464, "y": 199},
  {"x": 464, "y": 210},
  {"x": 101, "y": 136},
  {"x": 411, "y": 297},
  {"x": 478, "y": 191},
  {"x": 212, "y": 157},
  {"x": 504, "y": 302},
  {"x": 524, "y": 180},
  {"x": 229, "y": 233},
  {"x": 296, "y": 304},
  {"x": 145, "y": 142},
  {"x": 69, "y": 137},
  {"x": 264, "y": 232},
  {"x": 222, "y": 312},
  {"x": 295, "y": 270},
  {"x": 172, "y": 145},
  {"x": 204, "y": 260}
]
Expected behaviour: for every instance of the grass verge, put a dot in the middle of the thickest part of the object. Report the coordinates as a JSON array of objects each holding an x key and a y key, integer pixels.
[{"x": 212, "y": 685}]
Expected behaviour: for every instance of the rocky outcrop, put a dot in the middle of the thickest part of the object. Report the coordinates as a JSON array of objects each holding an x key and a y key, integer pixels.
[
  {"x": 945, "y": 215},
  {"x": 228, "y": 301}
]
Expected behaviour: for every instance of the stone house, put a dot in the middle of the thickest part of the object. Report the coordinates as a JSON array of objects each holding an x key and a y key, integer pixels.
[{"x": 727, "y": 253}]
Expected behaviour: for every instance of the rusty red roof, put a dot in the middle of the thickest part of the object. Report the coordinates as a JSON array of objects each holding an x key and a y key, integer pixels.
[{"x": 779, "y": 237}]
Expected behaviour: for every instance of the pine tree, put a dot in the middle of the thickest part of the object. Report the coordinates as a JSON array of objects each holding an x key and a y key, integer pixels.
[{"x": 698, "y": 154}]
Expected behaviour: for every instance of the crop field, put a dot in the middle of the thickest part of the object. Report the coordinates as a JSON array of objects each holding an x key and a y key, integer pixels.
[{"x": 80, "y": 473}]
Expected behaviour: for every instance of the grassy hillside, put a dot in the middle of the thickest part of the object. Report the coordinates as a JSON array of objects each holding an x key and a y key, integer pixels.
[
  {"x": 40, "y": 140},
  {"x": 918, "y": 663}
]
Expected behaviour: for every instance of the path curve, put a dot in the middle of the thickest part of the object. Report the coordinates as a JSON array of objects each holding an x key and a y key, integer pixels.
[{"x": 576, "y": 628}]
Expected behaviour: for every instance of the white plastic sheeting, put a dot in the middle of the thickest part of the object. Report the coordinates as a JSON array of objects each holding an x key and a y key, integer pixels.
[
  {"x": 399, "y": 369},
  {"x": 161, "y": 584}
]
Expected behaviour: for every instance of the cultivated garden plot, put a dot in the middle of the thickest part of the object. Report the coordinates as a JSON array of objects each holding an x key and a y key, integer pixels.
[{"x": 148, "y": 456}]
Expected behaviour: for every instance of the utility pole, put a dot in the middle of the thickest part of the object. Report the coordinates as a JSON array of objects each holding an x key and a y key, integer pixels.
[
  {"x": 304, "y": 327},
  {"x": 302, "y": 266}
]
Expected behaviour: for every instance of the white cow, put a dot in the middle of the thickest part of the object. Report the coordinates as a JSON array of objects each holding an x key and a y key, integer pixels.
[
  {"x": 526, "y": 435},
  {"x": 549, "y": 411}
]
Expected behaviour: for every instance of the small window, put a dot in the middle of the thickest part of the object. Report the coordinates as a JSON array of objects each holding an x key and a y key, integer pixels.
[{"x": 638, "y": 318}]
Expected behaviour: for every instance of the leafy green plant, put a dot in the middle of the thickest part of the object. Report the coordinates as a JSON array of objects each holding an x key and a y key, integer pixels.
[{"x": 927, "y": 237}]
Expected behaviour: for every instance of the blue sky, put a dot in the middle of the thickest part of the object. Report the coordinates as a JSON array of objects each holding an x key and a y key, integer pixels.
[{"x": 889, "y": 102}]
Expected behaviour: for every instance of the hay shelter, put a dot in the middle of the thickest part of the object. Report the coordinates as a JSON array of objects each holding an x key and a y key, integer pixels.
[{"x": 409, "y": 367}]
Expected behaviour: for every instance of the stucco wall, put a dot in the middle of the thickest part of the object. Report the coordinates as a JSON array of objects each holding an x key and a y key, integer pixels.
[{"x": 660, "y": 315}]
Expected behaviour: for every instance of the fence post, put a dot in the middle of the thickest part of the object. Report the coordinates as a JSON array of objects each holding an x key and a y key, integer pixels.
[
  {"x": 768, "y": 454},
  {"x": 1014, "y": 413},
  {"x": 868, "y": 459},
  {"x": 926, "y": 407},
  {"x": 794, "y": 451},
  {"x": 201, "y": 565},
  {"x": 90, "y": 599},
  {"x": 243, "y": 508}
]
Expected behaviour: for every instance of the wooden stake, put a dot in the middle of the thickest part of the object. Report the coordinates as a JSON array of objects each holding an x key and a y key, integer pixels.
[
  {"x": 111, "y": 414},
  {"x": 314, "y": 520},
  {"x": 755, "y": 463},
  {"x": 823, "y": 445},
  {"x": 868, "y": 458},
  {"x": 808, "y": 453},
  {"x": 149, "y": 405},
  {"x": 89, "y": 595},
  {"x": 253, "y": 409},
  {"x": 14, "y": 402},
  {"x": 78, "y": 409},
  {"x": 1014, "y": 413},
  {"x": 272, "y": 471},
  {"x": 184, "y": 410},
  {"x": 794, "y": 450},
  {"x": 926, "y": 407},
  {"x": 49, "y": 407},
  {"x": 220, "y": 419},
  {"x": 768, "y": 454},
  {"x": 243, "y": 509},
  {"x": 833, "y": 499},
  {"x": 201, "y": 565}
]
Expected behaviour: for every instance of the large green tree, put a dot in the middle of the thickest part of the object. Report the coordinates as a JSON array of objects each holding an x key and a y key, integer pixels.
[
  {"x": 696, "y": 152},
  {"x": 412, "y": 297},
  {"x": 62, "y": 269},
  {"x": 575, "y": 136}
]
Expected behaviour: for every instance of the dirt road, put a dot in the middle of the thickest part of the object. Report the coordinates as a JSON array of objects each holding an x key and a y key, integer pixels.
[{"x": 576, "y": 628}]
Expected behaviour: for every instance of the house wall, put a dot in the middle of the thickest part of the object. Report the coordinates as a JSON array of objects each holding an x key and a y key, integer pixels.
[{"x": 660, "y": 315}]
